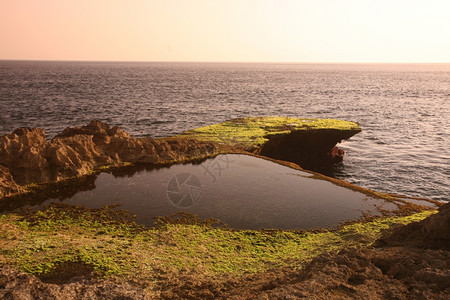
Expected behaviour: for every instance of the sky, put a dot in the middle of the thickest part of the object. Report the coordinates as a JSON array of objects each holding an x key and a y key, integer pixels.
[{"x": 226, "y": 30}]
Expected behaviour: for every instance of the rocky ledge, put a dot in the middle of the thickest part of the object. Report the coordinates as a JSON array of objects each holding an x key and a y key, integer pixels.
[
  {"x": 310, "y": 143},
  {"x": 27, "y": 157}
]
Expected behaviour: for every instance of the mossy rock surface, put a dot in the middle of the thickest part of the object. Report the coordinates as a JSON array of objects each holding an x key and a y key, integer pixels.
[
  {"x": 62, "y": 241},
  {"x": 255, "y": 131}
]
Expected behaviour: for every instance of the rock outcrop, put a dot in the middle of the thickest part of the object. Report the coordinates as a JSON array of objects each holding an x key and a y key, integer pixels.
[
  {"x": 309, "y": 149},
  {"x": 396, "y": 273},
  {"x": 22, "y": 152},
  {"x": 26, "y": 156},
  {"x": 7, "y": 183},
  {"x": 431, "y": 233},
  {"x": 310, "y": 143}
]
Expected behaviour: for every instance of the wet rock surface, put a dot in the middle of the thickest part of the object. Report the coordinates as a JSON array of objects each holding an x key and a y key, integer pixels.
[
  {"x": 309, "y": 143},
  {"x": 395, "y": 273}
]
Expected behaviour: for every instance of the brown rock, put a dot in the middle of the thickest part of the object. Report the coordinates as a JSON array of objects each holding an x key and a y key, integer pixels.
[
  {"x": 394, "y": 273},
  {"x": 29, "y": 158},
  {"x": 7, "y": 184},
  {"x": 430, "y": 233},
  {"x": 398, "y": 273},
  {"x": 75, "y": 155},
  {"x": 21, "y": 152},
  {"x": 16, "y": 285}
]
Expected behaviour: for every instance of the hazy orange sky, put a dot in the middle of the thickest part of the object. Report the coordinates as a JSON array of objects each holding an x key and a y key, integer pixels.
[{"x": 226, "y": 30}]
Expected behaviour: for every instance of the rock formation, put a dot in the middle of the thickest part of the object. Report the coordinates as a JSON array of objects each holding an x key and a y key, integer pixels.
[
  {"x": 309, "y": 143},
  {"x": 309, "y": 149},
  {"x": 26, "y": 157},
  {"x": 431, "y": 233},
  {"x": 7, "y": 183}
]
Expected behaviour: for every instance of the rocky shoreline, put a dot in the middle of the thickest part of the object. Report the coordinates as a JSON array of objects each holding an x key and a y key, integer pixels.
[
  {"x": 27, "y": 158},
  {"x": 76, "y": 253}
]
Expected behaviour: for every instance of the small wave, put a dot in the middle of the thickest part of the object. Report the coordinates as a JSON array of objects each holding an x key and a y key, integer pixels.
[{"x": 162, "y": 122}]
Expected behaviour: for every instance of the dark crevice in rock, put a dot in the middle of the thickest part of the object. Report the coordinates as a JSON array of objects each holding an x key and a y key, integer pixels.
[{"x": 308, "y": 148}]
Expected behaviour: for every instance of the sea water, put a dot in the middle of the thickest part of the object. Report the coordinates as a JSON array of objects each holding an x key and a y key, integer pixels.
[{"x": 403, "y": 109}]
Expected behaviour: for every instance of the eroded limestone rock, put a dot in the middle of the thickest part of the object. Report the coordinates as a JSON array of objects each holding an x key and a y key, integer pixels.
[{"x": 26, "y": 157}]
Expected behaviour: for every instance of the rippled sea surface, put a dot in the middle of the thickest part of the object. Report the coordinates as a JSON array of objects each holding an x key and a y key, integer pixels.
[{"x": 403, "y": 109}]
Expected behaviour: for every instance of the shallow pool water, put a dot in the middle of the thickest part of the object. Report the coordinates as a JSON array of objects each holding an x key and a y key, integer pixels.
[{"x": 242, "y": 191}]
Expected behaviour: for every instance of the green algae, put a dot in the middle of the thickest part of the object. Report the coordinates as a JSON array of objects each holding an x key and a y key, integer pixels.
[
  {"x": 254, "y": 131},
  {"x": 111, "y": 243}
]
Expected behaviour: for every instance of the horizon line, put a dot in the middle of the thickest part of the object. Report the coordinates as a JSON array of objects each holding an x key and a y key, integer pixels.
[{"x": 219, "y": 62}]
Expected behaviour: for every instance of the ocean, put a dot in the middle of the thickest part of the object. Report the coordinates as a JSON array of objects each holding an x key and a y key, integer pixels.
[{"x": 403, "y": 109}]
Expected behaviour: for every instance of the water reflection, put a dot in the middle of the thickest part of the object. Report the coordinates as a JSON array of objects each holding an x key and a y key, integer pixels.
[{"x": 242, "y": 191}]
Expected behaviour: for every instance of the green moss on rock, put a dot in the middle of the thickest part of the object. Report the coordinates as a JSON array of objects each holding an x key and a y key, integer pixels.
[
  {"x": 108, "y": 242},
  {"x": 254, "y": 131}
]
